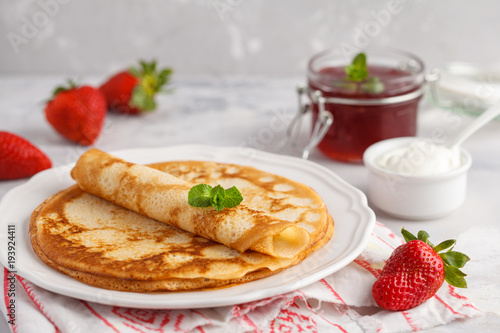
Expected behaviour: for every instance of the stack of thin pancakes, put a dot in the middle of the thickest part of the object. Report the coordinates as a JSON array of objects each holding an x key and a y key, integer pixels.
[{"x": 128, "y": 227}]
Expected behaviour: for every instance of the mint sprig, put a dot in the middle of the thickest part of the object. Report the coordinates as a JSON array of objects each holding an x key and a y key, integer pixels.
[
  {"x": 203, "y": 195},
  {"x": 357, "y": 72}
]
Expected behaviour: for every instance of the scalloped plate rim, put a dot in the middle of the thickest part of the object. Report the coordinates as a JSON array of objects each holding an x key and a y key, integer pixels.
[{"x": 355, "y": 221}]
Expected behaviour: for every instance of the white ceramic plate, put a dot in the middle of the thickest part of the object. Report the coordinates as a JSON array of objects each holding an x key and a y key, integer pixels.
[{"x": 354, "y": 221}]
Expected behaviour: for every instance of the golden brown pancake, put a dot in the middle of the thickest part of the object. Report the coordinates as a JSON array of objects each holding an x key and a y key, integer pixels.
[
  {"x": 108, "y": 246},
  {"x": 273, "y": 194},
  {"x": 163, "y": 197}
]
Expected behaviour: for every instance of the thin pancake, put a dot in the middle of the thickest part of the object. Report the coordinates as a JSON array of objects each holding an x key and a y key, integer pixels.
[
  {"x": 108, "y": 280},
  {"x": 108, "y": 246},
  {"x": 273, "y": 194},
  {"x": 163, "y": 197}
]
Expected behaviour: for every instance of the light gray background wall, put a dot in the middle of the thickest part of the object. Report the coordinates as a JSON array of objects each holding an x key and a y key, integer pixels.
[{"x": 235, "y": 36}]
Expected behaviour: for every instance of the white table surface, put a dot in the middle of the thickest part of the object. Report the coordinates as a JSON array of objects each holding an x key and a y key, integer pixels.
[{"x": 252, "y": 112}]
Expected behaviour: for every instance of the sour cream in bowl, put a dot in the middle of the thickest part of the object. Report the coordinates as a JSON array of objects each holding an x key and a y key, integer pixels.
[{"x": 414, "y": 178}]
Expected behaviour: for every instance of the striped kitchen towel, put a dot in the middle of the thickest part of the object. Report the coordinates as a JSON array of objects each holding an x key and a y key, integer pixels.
[{"x": 341, "y": 302}]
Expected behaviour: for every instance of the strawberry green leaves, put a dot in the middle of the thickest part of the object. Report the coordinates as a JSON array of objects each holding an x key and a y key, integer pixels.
[
  {"x": 203, "y": 195},
  {"x": 455, "y": 277},
  {"x": 408, "y": 236},
  {"x": 453, "y": 260},
  {"x": 443, "y": 245},
  {"x": 151, "y": 81},
  {"x": 69, "y": 86}
]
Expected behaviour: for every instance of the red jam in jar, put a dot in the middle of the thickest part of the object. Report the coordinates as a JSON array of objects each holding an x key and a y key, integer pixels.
[{"x": 364, "y": 114}]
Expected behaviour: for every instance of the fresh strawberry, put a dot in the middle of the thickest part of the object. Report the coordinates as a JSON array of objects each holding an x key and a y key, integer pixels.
[
  {"x": 133, "y": 91},
  {"x": 416, "y": 270},
  {"x": 19, "y": 158},
  {"x": 77, "y": 113}
]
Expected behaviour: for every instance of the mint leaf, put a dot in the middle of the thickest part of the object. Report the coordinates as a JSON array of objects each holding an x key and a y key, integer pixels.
[
  {"x": 372, "y": 85},
  {"x": 203, "y": 195},
  {"x": 217, "y": 197},
  {"x": 357, "y": 70},
  {"x": 233, "y": 197},
  {"x": 346, "y": 85},
  {"x": 199, "y": 195}
]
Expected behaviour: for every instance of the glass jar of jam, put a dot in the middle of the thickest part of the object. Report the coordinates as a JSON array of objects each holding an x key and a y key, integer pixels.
[{"x": 382, "y": 106}]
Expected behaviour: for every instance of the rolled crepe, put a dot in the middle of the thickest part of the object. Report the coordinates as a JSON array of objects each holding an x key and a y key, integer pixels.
[{"x": 164, "y": 197}]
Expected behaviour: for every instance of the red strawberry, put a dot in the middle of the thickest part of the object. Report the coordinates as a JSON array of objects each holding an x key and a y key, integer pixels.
[
  {"x": 416, "y": 270},
  {"x": 77, "y": 113},
  {"x": 133, "y": 91},
  {"x": 19, "y": 158}
]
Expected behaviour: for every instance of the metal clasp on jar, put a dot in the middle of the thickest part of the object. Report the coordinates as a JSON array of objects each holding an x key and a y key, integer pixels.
[
  {"x": 321, "y": 126},
  {"x": 325, "y": 117}
]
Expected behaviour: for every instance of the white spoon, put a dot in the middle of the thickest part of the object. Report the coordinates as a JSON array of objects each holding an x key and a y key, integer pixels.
[{"x": 482, "y": 120}]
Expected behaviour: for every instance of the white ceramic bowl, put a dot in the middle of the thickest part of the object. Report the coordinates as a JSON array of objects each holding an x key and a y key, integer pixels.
[{"x": 415, "y": 197}]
